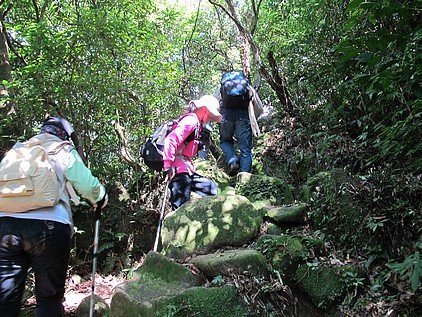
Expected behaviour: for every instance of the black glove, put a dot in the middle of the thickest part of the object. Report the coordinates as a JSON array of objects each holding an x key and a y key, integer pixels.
[{"x": 103, "y": 202}]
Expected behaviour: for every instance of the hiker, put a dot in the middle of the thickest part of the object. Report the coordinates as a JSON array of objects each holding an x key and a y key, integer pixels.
[
  {"x": 41, "y": 238},
  {"x": 178, "y": 153},
  {"x": 240, "y": 108}
]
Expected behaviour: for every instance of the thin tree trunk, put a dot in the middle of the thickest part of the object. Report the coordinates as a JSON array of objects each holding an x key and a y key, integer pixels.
[{"x": 5, "y": 69}]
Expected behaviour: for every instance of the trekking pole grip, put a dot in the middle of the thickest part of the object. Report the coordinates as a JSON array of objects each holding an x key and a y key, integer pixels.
[{"x": 98, "y": 213}]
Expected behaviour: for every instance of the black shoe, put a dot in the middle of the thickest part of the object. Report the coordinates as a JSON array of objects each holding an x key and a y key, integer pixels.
[{"x": 233, "y": 168}]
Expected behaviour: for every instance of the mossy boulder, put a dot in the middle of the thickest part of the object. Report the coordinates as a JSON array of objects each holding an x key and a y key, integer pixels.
[
  {"x": 323, "y": 285},
  {"x": 327, "y": 285},
  {"x": 161, "y": 287},
  {"x": 209, "y": 168},
  {"x": 205, "y": 224},
  {"x": 263, "y": 190},
  {"x": 225, "y": 263},
  {"x": 101, "y": 308},
  {"x": 204, "y": 302},
  {"x": 276, "y": 229},
  {"x": 287, "y": 214},
  {"x": 285, "y": 252}
]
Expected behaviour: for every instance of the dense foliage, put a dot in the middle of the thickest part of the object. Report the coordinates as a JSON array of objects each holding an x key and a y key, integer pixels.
[{"x": 341, "y": 81}]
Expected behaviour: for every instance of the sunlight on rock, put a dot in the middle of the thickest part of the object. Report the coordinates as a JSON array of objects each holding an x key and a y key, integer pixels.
[
  {"x": 212, "y": 233},
  {"x": 189, "y": 234},
  {"x": 228, "y": 219},
  {"x": 228, "y": 205}
]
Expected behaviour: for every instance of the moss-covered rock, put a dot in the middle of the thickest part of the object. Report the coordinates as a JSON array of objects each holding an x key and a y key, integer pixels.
[
  {"x": 101, "y": 308},
  {"x": 204, "y": 302},
  {"x": 276, "y": 229},
  {"x": 324, "y": 285},
  {"x": 321, "y": 284},
  {"x": 205, "y": 224},
  {"x": 287, "y": 214},
  {"x": 209, "y": 168},
  {"x": 285, "y": 252},
  {"x": 232, "y": 261},
  {"x": 264, "y": 189},
  {"x": 161, "y": 287}
]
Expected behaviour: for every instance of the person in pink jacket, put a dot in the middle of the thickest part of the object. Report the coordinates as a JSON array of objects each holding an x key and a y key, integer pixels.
[{"x": 181, "y": 145}]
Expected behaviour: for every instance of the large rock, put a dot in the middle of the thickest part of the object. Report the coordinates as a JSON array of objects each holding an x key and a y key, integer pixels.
[
  {"x": 285, "y": 252},
  {"x": 233, "y": 261},
  {"x": 326, "y": 285},
  {"x": 287, "y": 214},
  {"x": 264, "y": 190},
  {"x": 205, "y": 224},
  {"x": 101, "y": 308},
  {"x": 161, "y": 287}
]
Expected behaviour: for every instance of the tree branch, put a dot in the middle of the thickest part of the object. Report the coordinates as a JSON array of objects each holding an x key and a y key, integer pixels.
[{"x": 124, "y": 151}]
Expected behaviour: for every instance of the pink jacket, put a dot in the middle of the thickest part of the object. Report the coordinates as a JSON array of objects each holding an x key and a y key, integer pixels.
[{"x": 176, "y": 152}]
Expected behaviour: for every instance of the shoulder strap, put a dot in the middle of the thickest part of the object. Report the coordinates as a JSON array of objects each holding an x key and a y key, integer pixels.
[
  {"x": 58, "y": 148},
  {"x": 66, "y": 184},
  {"x": 195, "y": 135}
]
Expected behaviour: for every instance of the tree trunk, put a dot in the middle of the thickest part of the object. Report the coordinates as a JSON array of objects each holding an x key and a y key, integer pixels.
[{"x": 5, "y": 69}]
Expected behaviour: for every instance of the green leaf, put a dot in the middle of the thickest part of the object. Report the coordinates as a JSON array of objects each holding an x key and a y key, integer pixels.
[
  {"x": 364, "y": 57},
  {"x": 415, "y": 277},
  {"x": 353, "y": 5}
]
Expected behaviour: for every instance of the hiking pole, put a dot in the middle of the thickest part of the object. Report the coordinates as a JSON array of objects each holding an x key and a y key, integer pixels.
[
  {"x": 94, "y": 258},
  {"x": 163, "y": 207}
]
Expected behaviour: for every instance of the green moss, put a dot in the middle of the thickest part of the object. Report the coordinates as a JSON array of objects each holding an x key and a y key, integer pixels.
[
  {"x": 203, "y": 302},
  {"x": 159, "y": 276},
  {"x": 323, "y": 285},
  {"x": 285, "y": 252},
  {"x": 207, "y": 223},
  {"x": 122, "y": 307},
  {"x": 275, "y": 229},
  {"x": 295, "y": 213},
  {"x": 158, "y": 267},
  {"x": 231, "y": 261},
  {"x": 264, "y": 188}
]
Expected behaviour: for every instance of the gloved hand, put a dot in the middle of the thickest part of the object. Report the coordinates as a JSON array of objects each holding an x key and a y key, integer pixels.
[
  {"x": 170, "y": 173},
  {"x": 103, "y": 202}
]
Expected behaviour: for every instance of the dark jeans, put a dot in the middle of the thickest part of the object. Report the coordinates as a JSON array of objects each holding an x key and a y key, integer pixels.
[
  {"x": 183, "y": 184},
  {"x": 42, "y": 245},
  {"x": 235, "y": 125}
]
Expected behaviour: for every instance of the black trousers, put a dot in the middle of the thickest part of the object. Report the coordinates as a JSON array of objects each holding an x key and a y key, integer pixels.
[
  {"x": 183, "y": 184},
  {"x": 43, "y": 245}
]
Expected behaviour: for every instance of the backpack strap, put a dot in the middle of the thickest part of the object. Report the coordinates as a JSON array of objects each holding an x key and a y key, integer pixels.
[
  {"x": 194, "y": 135},
  {"x": 58, "y": 148},
  {"x": 198, "y": 130},
  {"x": 66, "y": 184}
]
